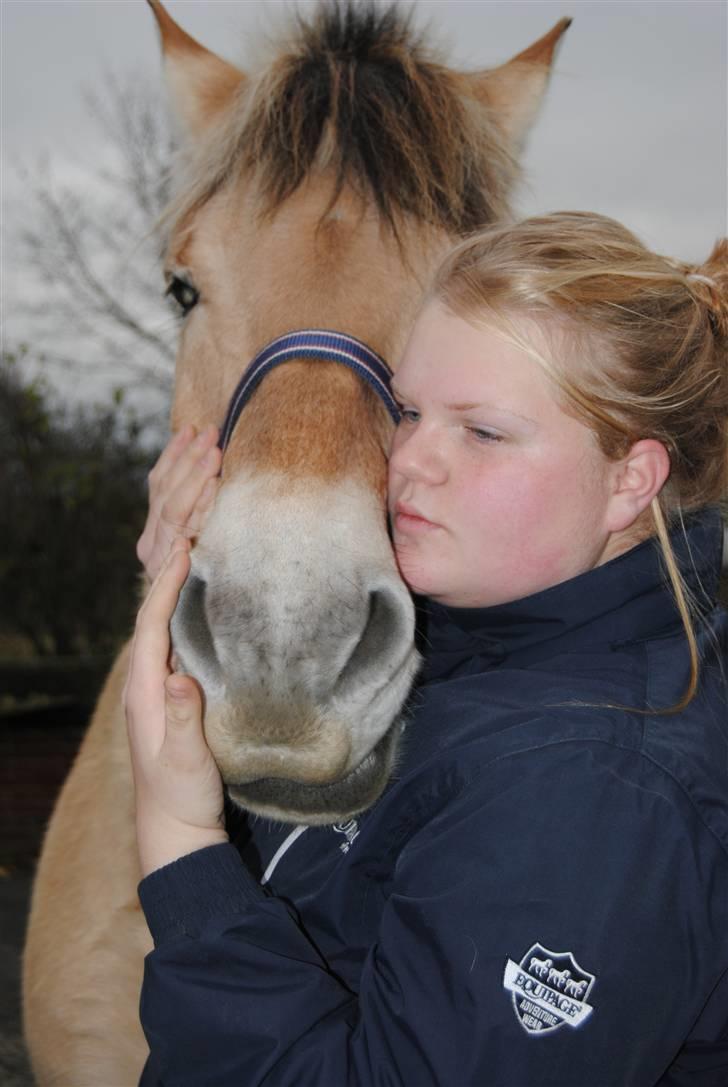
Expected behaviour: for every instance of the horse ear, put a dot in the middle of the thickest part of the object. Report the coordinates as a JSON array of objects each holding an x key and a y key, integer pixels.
[
  {"x": 200, "y": 83},
  {"x": 513, "y": 92}
]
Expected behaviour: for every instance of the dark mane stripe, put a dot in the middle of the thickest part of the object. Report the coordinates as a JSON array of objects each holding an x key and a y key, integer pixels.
[{"x": 356, "y": 94}]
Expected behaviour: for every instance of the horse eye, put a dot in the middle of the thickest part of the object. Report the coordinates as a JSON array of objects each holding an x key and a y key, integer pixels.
[{"x": 185, "y": 295}]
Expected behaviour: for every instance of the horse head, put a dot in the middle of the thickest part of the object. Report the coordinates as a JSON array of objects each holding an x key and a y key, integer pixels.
[{"x": 317, "y": 195}]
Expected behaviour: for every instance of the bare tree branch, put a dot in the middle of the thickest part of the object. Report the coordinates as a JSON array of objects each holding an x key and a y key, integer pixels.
[{"x": 88, "y": 296}]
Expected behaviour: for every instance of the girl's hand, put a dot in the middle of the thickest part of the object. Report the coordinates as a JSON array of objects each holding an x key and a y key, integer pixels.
[
  {"x": 179, "y": 792},
  {"x": 182, "y": 489}
]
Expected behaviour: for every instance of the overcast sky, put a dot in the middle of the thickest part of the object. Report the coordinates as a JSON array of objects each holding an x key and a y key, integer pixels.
[{"x": 635, "y": 123}]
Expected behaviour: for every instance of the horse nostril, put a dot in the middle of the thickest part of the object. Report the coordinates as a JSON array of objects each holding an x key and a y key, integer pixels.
[
  {"x": 191, "y": 629},
  {"x": 385, "y": 631}
]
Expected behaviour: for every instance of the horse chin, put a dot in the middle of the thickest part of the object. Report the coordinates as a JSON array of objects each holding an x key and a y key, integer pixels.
[{"x": 319, "y": 805}]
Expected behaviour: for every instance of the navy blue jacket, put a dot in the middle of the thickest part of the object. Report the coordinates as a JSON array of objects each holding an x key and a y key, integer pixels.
[{"x": 539, "y": 897}]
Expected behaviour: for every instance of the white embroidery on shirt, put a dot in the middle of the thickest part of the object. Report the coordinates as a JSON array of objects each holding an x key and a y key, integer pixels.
[
  {"x": 549, "y": 990},
  {"x": 350, "y": 829}
]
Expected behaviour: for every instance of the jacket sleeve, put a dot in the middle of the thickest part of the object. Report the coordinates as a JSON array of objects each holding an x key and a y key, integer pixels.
[{"x": 544, "y": 926}]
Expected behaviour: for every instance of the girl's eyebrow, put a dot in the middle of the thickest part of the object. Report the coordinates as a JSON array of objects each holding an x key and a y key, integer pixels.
[
  {"x": 465, "y": 406},
  {"x": 450, "y": 407},
  {"x": 483, "y": 404}
]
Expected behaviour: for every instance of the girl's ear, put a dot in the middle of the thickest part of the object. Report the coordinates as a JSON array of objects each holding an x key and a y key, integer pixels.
[{"x": 639, "y": 476}]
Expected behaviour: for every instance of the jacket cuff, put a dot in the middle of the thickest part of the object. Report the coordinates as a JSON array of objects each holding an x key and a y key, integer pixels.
[{"x": 181, "y": 897}]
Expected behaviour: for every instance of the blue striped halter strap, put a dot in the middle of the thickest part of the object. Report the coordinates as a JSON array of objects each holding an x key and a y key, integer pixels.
[{"x": 311, "y": 343}]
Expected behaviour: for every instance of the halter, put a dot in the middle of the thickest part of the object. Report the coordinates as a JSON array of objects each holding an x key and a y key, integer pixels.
[{"x": 311, "y": 343}]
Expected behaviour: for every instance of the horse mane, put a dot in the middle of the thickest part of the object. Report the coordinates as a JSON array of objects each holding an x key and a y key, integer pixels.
[{"x": 357, "y": 95}]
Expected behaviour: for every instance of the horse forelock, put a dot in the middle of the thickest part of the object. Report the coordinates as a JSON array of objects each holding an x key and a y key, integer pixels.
[{"x": 358, "y": 97}]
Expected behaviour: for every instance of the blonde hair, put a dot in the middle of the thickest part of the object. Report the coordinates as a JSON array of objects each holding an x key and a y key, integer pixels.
[{"x": 650, "y": 335}]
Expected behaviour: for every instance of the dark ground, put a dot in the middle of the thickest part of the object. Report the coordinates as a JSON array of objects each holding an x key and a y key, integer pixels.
[
  {"x": 14, "y": 897},
  {"x": 37, "y": 747}
]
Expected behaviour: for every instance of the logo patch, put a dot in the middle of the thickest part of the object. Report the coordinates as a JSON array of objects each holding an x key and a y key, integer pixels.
[{"x": 549, "y": 990}]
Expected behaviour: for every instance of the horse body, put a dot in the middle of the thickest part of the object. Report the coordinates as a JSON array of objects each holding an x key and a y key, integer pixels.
[{"x": 320, "y": 196}]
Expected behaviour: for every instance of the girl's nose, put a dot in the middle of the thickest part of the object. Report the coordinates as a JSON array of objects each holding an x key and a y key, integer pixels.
[{"x": 416, "y": 455}]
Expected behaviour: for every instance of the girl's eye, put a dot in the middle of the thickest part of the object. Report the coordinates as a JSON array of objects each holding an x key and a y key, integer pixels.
[
  {"x": 408, "y": 415},
  {"x": 182, "y": 291},
  {"x": 482, "y": 435}
]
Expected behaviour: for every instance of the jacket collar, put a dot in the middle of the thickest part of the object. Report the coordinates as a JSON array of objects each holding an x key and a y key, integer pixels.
[{"x": 625, "y": 601}]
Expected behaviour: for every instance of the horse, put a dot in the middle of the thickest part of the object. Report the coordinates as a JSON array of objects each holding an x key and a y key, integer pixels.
[{"x": 316, "y": 195}]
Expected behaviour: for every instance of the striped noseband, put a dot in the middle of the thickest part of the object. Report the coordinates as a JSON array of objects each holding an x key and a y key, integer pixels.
[{"x": 311, "y": 343}]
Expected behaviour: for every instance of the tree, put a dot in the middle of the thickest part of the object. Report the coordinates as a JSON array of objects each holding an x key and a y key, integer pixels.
[
  {"x": 88, "y": 296},
  {"x": 73, "y": 497}
]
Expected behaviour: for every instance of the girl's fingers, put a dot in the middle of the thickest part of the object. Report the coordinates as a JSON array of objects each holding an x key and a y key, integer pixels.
[
  {"x": 148, "y": 667},
  {"x": 184, "y": 738},
  {"x": 182, "y": 499},
  {"x": 158, "y": 608},
  {"x": 208, "y": 495},
  {"x": 189, "y": 460},
  {"x": 151, "y": 551},
  {"x": 203, "y": 505},
  {"x": 176, "y": 485},
  {"x": 172, "y": 451}
]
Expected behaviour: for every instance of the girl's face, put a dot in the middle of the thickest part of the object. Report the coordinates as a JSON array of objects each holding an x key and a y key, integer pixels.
[{"x": 494, "y": 491}]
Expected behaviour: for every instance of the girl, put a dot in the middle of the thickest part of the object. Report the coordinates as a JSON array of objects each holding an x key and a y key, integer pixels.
[{"x": 541, "y": 894}]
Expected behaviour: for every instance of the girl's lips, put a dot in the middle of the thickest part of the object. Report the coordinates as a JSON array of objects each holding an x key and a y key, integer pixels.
[{"x": 406, "y": 519}]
